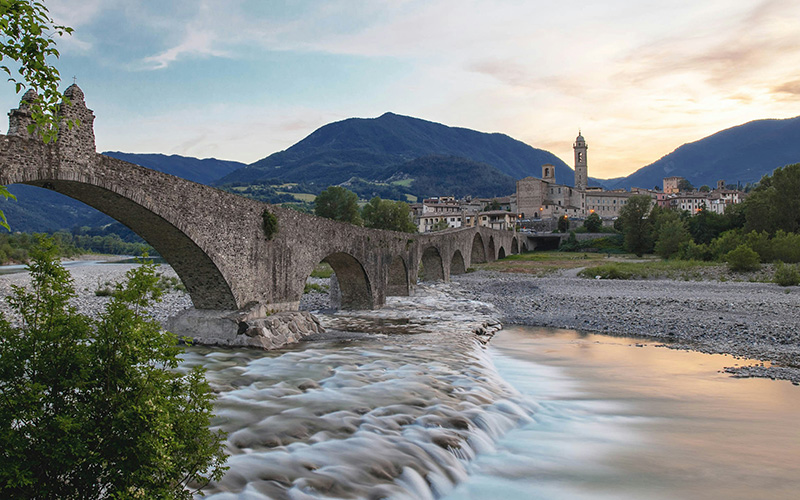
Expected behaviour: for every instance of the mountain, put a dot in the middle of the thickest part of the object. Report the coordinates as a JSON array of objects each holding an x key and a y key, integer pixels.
[
  {"x": 366, "y": 147},
  {"x": 435, "y": 175},
  {"x": 744, "y": 153},
  {"x": 41, "y": 210},
  {"x": 204, "y": 171}
]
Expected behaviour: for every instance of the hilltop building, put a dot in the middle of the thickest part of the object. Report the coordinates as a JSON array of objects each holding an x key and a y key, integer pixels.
[{"x": 544, "y": 198}]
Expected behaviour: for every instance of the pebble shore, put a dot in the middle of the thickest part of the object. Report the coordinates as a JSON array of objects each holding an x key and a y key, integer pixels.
[{"x": 747, "y": 320}]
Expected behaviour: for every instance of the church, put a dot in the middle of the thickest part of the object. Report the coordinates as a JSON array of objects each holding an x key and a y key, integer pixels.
[{"x": 545, "y": 199}]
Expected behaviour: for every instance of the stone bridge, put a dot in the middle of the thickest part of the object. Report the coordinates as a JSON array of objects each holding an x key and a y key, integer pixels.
[{"x": 216, "y": 241}]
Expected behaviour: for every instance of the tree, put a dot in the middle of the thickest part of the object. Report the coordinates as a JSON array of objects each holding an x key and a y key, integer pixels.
[
  {"x": 94, "y": 408},
  {"x": 338, "y": 203},
  {"x": 672, "y": 236},
  {"x": 685, "y": 185},
  {"x": 27, "y": 39},
  {"x": 440, "y": 226},
  {"x": 493, "y": 205},
  {"x": 775, "y": 203},
  {"x": 704, "y": 189},
  {"x": 593, "y": 223},
  {"x": 636, "y": 227},
  {"x": 389, "y": 215},
  {"x": 563, "y": 224}
]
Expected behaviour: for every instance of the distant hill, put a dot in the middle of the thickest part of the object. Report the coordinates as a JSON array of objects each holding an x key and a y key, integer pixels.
[
  {"x": 204, "y": 171},
  {"x": 452, "y": 176},
  {"x": 368, "y": 147},
  {"x": 41, "y": 210},
  {"x": 739, "y": 154}
]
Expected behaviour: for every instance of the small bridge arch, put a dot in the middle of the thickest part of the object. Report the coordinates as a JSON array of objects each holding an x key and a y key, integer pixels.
[{"x": 432, "y": 265}]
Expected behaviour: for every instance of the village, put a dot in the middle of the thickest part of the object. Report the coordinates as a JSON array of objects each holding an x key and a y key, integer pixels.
[{"x": 538, "y": 203}]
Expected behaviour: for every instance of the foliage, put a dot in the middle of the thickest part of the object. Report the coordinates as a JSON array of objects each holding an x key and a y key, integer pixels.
[
  {"x": 338, "y": 203},
  {"x": 743, "y": 258},
  {"x": 323, "y": 270},
  {"x": 692, "y": 251},
  {"x": 685, "y": 185},
  {"x": 28, "y": 39},
  {"x": 706, "y": 225},
  {"x": 94, "y": 408},
  {"x": 492, "y": 205},
  {"x": 705, "y": 188},
  {"x": 775, "y": 203},
  {"x": 593, "y": 223},
  {"x": 563, "y": 224},
  {"x": 611, "y": 271},
  {"x": 315, "y": 288},
  {"x": 786, "y": 274},
  {"x": 440, "y": 226},
  {"x": 636, "y": 227},
  {"x": 672, "y": 237},
  {"x": 15, "y": 248},
  {"x": 269, "y": 224},
  {"x": 571, "y": 244},
  {"x": 389, "y": 215}
]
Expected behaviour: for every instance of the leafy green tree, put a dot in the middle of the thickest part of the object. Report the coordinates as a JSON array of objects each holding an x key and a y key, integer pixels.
[
  {"x": 593, "y": 223},
  {"x": 28, "y": 34},
  {"x": 28, "y": 40},
  {"x": 705, "y": 188},
  {"x": 672, "y": 237},
  {"x": 94, "y": 409},
  {"x": 685, "y": 185},
  {"x": 493, "y": 205},
  {"x": 636, "y": 226},
  {"x": 387, "y": 214},
  {"x": 775, "y": 203},
  {"x": 563, "y": 224},
  {"x": 338, "y": 203},
  {"x": 706, "y": 225},
  {"x": 440, "y": 226}
]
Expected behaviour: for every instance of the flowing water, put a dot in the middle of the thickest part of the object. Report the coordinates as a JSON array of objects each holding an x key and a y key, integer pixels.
[{"x": 537, "y": 414}]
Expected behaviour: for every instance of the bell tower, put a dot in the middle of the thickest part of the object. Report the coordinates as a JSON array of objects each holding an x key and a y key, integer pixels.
[{"x": 581, "y": 166}]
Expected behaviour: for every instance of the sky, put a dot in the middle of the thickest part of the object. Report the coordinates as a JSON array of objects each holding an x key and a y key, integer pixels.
[{"x": 242, "y": 79}]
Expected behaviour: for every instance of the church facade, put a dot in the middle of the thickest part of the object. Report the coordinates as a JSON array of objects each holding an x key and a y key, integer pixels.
[{"x": 544, "y": 198}]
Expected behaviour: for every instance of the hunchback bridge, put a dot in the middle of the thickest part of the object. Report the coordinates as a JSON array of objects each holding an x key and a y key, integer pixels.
[{"x": 216, "y": 242}]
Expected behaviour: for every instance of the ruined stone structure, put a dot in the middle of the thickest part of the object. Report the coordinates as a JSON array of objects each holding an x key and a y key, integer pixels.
[{"x": 216, "y": 241}]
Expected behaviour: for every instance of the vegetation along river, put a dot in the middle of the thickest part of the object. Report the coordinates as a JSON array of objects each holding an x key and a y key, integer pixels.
[{"x": 537, "y": 413}]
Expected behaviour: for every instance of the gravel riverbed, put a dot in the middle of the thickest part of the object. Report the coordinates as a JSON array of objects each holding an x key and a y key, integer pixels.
[{"x": 749, "y": 320}]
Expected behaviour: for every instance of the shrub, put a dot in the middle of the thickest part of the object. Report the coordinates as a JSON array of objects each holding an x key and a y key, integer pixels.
[
  {"x": 692, "y": 251},
  {"x": 786, "y": 274},
  {"x": 606, "y": 272},
  {"x": 743, "y": 258},
  {"x": 269, "y": 224},
  {"x": 570, "y": 244}
]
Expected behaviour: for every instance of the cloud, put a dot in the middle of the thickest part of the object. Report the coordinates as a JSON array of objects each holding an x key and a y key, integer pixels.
[{"x": 195, "y": 43}]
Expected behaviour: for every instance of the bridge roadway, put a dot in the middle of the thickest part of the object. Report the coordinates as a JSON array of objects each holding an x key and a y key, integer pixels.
[{"x": 216, "y": 241}]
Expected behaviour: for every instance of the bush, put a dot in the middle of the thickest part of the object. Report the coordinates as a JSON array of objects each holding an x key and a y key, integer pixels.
[
  {"x": 786, "y": 274},
  {"x": 96, "y": 408},
  {"x": 606, "y": 272},
  {"x": 570, "y": 244},
  {"x": 692, "y": 251},
  {"x": 742, "y": 259}
]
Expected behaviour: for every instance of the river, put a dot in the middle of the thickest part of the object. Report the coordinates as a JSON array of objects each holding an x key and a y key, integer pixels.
[{"x": 538, "y": 413}]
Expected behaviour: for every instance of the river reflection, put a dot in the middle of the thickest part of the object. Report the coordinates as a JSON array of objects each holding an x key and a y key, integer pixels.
[
  {"x": 540, "y": 413},
  {"x": 623, "y": 418}
]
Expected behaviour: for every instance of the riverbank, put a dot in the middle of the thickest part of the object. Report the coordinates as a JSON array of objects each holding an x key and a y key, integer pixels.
[{"x": 750, "y": 320}]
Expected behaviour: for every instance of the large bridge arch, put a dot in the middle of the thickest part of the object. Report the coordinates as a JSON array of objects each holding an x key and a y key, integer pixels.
[
  {"x": 200, "y": 274},
  {"x": 397, "y": 280},
  {"x": 492, "y": 251},
  {"x": 457, "y": 263},
  {"x": 478, "y": 251},
  {"x": 432, "y": 266},
  {"x": 353, "y": 281},
  {"x": 514, "y": 246}
]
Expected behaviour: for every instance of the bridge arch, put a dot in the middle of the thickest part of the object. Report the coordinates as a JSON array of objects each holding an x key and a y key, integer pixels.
[
  {"x": 200, "y": 274},
  {"x": 432, "y": 266},
  {"x": 501, "y": 254},
  {"x": 478, "y": 253},
  {"x": 492, "y": 251},
  {"x": 397, "y": 284},
  {"x": 354, "y": 285},
  {"x": 514, "y": 245},
  {"x": 457, "y": 263}
]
